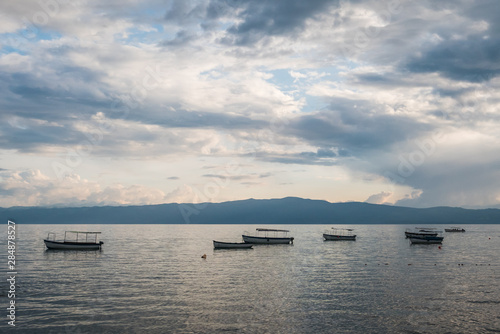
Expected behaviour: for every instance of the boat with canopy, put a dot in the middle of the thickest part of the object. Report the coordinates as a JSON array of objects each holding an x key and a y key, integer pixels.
[
  {"x": 268, "y": 236},
  {"x": 422, "y": 231},
  {"x": 339, "y": 234},
  {"x": 74, "y": 240}
]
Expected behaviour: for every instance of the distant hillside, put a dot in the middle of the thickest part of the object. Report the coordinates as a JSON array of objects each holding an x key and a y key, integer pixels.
[{"x": 288, "y": 210}]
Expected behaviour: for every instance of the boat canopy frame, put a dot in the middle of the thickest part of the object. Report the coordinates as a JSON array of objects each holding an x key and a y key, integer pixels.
[
  {"x": 268, "y": 230},
  {"x": 271, "y": 230},
  {"x": 341, "y": 231},
  {"x": 426, "y": 228}
]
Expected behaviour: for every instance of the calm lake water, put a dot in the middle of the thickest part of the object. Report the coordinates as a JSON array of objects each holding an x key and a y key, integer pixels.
[{"x": 152, "y": 279}]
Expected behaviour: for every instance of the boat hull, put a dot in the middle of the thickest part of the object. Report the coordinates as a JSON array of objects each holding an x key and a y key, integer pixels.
[
  {"x": 453, "y": 230},
  {"x": 336, "y": 237},
  {"x": 266, "y": 240},
  {"x": 72, "y": 245},
  {"x": 426, "y": 240},
  {"x": 231, "y": 245}
]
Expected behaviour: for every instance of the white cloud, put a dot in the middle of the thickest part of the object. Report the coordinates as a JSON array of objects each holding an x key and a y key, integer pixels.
[
  {"x": 380, "y": 198},
  {"x": 32, "y": 188}
]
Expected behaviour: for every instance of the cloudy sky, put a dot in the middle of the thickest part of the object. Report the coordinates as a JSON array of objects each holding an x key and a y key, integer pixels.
[{"x": 146, "y": 102}]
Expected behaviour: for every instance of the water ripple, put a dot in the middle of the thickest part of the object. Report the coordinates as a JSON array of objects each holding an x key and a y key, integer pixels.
[{"x": 151, "y": 278}]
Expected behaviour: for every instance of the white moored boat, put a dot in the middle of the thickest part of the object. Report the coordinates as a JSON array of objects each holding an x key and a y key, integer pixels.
[
  {"x": 339, "y": 234},
  {"x": 421, "y": 231},
  {"x": 231, "y": 245},
  {"x": 454, "y": 229},
  {"x": 79, "y": 241},
  {"x": 268, "y": 236}
]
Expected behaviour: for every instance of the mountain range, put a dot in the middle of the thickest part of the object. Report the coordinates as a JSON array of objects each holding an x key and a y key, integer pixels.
[{"x": 289, "y": 210}]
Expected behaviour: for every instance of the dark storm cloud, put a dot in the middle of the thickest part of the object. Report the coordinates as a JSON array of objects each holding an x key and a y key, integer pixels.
[
  {"x": 41, "y": 95},
  {"x": 267, "y": 18},
  {"x": 355, "y": 126},
  {"x": 35, "y": 136},
  {"x": 50, "y": 96},
  {"x": 322, "y": 157},
  {"x": 476, "y": 59},
  {"x": 256, "y": 19},
  {"x": 32, "y": 93},
  {"x": 462, "y": 53}
]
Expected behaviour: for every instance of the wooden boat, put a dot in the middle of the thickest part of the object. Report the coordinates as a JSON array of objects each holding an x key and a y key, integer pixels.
[
  {"x": 426, "y": 240},
  {"x": 339, "y": 234},
  {"x": 421, "y": 231},
  {"x": 454, "y": 229},
  {"x": 268, "y": 236},
  {"x": 77, "y": 242},
  {"x": 231, "y": 245}
]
